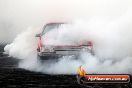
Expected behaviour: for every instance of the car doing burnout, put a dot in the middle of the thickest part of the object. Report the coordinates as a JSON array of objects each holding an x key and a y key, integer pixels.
[{"x": 56, "y": 51}]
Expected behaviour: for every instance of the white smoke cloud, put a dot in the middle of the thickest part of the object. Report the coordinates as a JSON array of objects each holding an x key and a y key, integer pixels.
[
  {"x": 105, "y": 22},
  {"x": 112, "y": 47}
]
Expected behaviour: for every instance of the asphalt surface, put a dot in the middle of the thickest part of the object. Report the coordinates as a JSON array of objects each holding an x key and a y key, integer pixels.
[{"x": 13, "y": 77}]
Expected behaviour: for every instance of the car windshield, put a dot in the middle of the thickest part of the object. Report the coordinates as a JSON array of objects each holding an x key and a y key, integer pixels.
[{"x": 50, "y": 26}]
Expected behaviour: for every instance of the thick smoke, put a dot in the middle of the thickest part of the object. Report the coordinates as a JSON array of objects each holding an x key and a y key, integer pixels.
[
  {"x": 106, "y": 23},
  {"x": 111, "y": 39}
]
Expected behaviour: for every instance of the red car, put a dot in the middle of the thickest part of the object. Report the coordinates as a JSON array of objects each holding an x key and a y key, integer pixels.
[{"x": 57, "y": 51}]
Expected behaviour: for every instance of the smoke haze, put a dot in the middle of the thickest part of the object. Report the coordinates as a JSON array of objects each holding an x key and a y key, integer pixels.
[
  {"x": 106, "y": 23},
  {"x": 17, "y": 15}
]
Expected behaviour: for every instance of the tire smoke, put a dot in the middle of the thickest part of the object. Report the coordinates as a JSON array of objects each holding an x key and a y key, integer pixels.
[
  {"x": 107, "y": 23},
  {"x": 111, "y": 40}
]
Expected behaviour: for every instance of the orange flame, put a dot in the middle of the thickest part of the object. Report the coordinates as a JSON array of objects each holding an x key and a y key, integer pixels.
[{"x": 81, "y": 71}]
